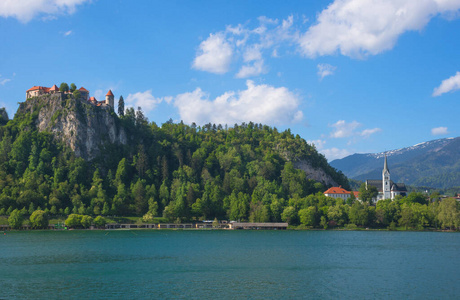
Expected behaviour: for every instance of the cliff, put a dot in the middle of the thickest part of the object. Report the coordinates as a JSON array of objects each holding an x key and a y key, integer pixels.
[
  {"x": 317, "y": 174},
  {"x": 84, "y": 128}
]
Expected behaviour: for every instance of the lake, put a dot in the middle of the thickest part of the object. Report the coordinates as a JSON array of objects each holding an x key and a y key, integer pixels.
[{"x": 229, "y": 264}]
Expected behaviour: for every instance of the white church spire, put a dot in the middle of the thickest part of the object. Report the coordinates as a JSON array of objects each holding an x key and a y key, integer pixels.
[{"x": 386, "y": 183}]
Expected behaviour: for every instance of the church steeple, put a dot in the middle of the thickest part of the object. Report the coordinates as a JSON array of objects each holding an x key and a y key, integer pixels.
[
  {"x": 385, "y": 165},
  {"x": 386, "y": 183}
]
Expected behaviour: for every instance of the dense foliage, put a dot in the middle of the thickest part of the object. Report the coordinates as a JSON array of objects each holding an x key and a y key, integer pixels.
[{"x": 177, "y": 171}]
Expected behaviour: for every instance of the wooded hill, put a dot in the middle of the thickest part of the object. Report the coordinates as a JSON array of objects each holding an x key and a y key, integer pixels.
[{"x": 178, "y": 171}]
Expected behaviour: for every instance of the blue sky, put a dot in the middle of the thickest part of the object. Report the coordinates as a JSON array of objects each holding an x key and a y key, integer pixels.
[{"x": 349, "y": 76}]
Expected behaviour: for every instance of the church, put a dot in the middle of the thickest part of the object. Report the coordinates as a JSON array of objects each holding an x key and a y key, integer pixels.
[{"x": 387, "y": 188}]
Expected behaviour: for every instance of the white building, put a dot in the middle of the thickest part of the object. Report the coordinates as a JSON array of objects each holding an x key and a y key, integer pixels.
[{"x": 387, "y": 189}]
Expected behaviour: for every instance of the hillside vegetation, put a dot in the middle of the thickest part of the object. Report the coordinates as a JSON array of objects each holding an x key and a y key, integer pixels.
[{"x": 177, "y": 171}]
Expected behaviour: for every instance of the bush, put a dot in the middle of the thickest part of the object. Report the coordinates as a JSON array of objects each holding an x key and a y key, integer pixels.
[
  {"x": 100, "y": 221},
  {"x": 39, "y": 219},
  {"x": 16, "y": 219}
]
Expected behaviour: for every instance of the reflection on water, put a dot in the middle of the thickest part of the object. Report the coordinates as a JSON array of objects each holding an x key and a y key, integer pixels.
[{"x": 224, "y": 264}]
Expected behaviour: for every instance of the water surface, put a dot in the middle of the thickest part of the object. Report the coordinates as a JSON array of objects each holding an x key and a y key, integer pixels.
[{"x": 229, "y": 264}]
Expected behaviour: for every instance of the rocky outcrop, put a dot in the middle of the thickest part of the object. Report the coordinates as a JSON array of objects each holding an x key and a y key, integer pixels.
[
  {"x": 84, "y": 128},
  {"x": 313, "y": 173}
]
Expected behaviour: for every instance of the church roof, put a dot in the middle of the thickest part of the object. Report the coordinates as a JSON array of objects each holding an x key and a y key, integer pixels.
[
  {"x": 83, "y": 89},
  {"x": 54, "y": 88},
  {"x": 399, "y": 187},
  {"x": 109, "y": 93},
  {"x": 377, "y": 183}
]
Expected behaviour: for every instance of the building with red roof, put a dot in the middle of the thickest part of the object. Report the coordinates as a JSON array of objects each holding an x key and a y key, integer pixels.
[{"x": 339, "y": 192}]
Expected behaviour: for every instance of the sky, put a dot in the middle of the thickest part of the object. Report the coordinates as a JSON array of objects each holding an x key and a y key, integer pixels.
[{"x": 349, "y": 76}]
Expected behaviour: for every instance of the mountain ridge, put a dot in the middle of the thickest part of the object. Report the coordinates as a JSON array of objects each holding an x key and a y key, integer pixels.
[{"x": 436, "y": 164}]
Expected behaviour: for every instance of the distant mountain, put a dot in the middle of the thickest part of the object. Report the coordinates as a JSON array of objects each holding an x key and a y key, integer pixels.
[{"x": 434, "y": 164}]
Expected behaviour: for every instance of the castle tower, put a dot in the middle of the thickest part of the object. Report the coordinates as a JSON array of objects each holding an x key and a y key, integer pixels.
[
  {"x": 386, "y": 183},
  {"x": 109, "y": 99}
]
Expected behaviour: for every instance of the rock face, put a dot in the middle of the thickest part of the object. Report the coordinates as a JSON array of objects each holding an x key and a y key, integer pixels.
[
  {"x": 313, "y": 173},
  {"x": 84, "y": 128}
]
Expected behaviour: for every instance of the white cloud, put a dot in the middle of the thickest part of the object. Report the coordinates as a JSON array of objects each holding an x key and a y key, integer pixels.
[
  {"x": 215, "y": 54},
  {"x": 358, "y": 28},
  {"x": 439, "y": 131},
  {"x": 4, "y": 80},
  {"x": 26, "y": 10},
  {"x": 344, "y": 129},
  {"x": 67, "y": 33},
  {"x": 319, "y": 144},
  {"x": 368, "y": 132},
  {"x": 249, "y": 70},
  {"x": 448, "y": 85},
  {"x": 335, "y": 153},
  {"x": 325, "y": 70},
  {"x": 145, "y": 100},
  {"x": 244, "y": 44},
  {"x": 258, "y": 103}
]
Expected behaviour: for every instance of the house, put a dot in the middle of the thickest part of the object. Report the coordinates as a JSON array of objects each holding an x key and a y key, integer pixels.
[
  {"x": 339, "y": 192},
  {"x": 387, "y": 188}
]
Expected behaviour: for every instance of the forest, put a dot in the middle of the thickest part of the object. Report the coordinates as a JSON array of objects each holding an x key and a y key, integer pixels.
[{"x": 186, "y": 173}]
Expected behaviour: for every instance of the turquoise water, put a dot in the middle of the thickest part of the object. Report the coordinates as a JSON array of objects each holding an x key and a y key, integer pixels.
[{"x": 229, "y": 265}]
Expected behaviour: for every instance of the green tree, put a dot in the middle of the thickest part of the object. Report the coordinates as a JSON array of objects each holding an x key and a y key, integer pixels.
[
  {"x": 73, "y": 221},
  {"x": 64, "y": 87},
  {"x": 86, "y": 221},
  {"x": 449, "y": 214},
  {"x": 15, "y": 219},
  {"x": 308, "y": 216},
  {"x": 73, "y": 87},
  {"x": 367, "y": 194},
  {"x": 39, "y": 219},
  {"x": 100, "y": 222},
  {"x": 121, "y": 106},
  {"x": 289, "y": 215}
]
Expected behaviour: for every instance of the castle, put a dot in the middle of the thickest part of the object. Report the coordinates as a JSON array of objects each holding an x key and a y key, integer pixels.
[
  {"x": 387, "y": 188},
  {"x": 84, "y": 93}
]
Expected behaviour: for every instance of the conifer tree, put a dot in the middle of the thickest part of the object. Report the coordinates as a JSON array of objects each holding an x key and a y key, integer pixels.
[{"x": 121, "y": 106}]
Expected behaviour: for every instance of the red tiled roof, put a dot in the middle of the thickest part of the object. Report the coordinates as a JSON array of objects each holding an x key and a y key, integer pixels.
[
  {"x": 34, "y": 88},
  {"x": 92, "y": 99},
  {"x": 83, "y": 89},
  {"x": 54, "y": 88},
  {"x": 109, "y": 93},
  {"x": 336, "y": 190}
]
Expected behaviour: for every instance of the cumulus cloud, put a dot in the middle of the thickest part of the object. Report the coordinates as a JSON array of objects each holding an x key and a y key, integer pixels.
[
  {"x": 354, "y": 28},
  {"x": 145, "y": 100},
  {"x": 26, "y": 10},
  {"x": 214, "y": 55},
  {"x": 258, "y": 103},
  {"x": 358, "y": 28},
  {"x": 448, "y": 85},
  {"x": 242, "y": 43},
  {"x": 325, "y": 70},
  {"x": 344, "y": 129},
  {"x": 439, "y": 131},
  {"x": 250, "y": 70}
]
